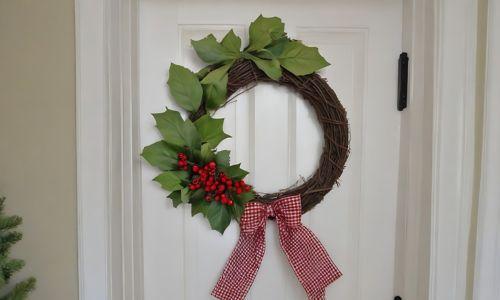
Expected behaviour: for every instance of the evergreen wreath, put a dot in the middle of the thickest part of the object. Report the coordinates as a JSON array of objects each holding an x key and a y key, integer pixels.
[{"x": 193, "y": 170}]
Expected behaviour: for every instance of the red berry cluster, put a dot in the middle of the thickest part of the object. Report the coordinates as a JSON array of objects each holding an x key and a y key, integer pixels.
[
  {"x": 182, "y": 162},
  {"x": 216, "y": 184}
]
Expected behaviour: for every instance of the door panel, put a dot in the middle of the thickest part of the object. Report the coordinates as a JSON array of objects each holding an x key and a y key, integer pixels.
[{"x": 277, "y": 138}]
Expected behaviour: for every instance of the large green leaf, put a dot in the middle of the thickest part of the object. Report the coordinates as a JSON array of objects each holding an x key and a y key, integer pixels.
[
  {"x": 211, "y": 51},
  {"x": 182, "y": 175},
  {"x": 219, "y": 216},
  {"x": 217, "y": 74},
  {"x": 271, "y": 67},
  {"x": 222, "y": 158},
  {"x": 277, "y": 46},
  {"x": 265, "y": 54},
  {"x": 237, "y": 210},
  {"x": 176, "y": 131},
  {"x": 184, "y": 87},
  {"x": 206, "y": 153},
  {"x": 263, "y": 31},
  {"x": 211, "y": 130},
  {"x": 199, "y": 206},
  {"x": 204, "y": 71},
  {"x": 232, "y": 42},
  {"x": 169, "y": 181},
  {"x": 215, "y": 86},
  {"x": 244, "y": 197},
  {"x": 215, "y": 93},
  {"x": 300, "y": 59},
  {"x": 180, "y": 196},
  {"x": 234, "y": 172},
  {"x": 161, "y": 155}
]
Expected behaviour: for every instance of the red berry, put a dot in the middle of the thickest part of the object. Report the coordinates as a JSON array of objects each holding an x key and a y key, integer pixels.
[
  {"x": 196, "y": 169},
  {"x": 217, "y": 198},
  {"x": 212, "y": 165},
  {"x": 237, "y": 184},
  {"x": 248, "y": 188},
  {"x": 221, "y": 187},
  {"x": 230, "y": 202},
  {"x": 238, "y": 191},
  {"x": 207, "y": 198}
]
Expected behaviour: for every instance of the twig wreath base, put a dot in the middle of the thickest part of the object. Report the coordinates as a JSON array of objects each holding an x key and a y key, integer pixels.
[
  {"x": 193, "y": 170},
  {"x": 331, "y": 115}
]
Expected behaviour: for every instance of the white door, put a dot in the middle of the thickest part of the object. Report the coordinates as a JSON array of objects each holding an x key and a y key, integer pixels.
[{"x": 276, "y": 137}]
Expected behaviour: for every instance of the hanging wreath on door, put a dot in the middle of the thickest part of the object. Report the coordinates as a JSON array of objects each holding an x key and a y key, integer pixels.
[{"x": 194, "y": 172}]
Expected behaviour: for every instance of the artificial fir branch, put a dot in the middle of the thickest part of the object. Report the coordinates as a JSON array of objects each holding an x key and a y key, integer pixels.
[
  {"x": 20, "y": 290},
  {"x": 9, "y": 266}
]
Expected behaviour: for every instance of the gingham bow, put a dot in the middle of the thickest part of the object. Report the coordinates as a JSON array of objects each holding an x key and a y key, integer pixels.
[{"x": 308, "y": 258}]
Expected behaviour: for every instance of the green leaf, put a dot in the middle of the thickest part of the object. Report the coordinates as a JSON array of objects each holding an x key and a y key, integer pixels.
[
  {"x": 232, "y": 42},
  {"x": 276, "y": 47},
  {"x": 263, "y": 31},
  {"x": 211, "y": 130},
  {"x": 215, "y": 93},
  {"x": 272, "y": 67},
  {"x": 176, "y": 131},
  {"x": 199, "y": 206},
  {"x": 234, "y": 172},
  {"x": 215, "y": 86},
  {"x": 169, "y": 181},
  {"x": 222, "y": 158},
  {"x": 196, "y": 195},
  {"x": 237, "y": 210},
  {"x": 184, "y": 87},
  {"x": 161, "y": 155},
  {"x": 203, "y": 72},
  {"x": 180, "y": 196},
  {"x": 219, "y": 216},
  {"x": 265, "y": 54},
  {"x": 182, "y": 175},
  {"x": 244, "y": 198},
  {"x": 300, "y": 59},
  {"x": 210, "y": 51},
  {"x": 217, "y": 74},
  {"x": 206, "y": 153}
]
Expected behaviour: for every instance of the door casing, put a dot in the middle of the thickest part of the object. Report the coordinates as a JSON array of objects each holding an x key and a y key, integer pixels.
[{"x": 436, "y": 164}]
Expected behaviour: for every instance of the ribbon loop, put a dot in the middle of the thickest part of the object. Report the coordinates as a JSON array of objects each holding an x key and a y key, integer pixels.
[{"x": 307, "y": 256}]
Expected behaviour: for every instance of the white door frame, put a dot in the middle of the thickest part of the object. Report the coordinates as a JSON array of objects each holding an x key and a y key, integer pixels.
[{"x": 437, "y": 150}]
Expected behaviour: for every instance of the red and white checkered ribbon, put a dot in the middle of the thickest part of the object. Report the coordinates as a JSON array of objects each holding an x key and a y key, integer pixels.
[{"x": 307, "y": 256}]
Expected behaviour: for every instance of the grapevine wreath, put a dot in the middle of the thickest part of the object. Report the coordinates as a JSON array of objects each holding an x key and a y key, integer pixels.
[{"x": 196, "y": 173}]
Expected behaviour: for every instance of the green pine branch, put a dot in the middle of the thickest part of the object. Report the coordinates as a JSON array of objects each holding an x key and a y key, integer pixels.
[
  {"x": 10, "y": 266},
  {"x": 21, "y": 290}
]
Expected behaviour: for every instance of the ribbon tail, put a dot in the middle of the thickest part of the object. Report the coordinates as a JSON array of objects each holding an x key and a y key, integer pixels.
[
  {"x": 309, "y": 260},
  {"x": 242, "y": 266}
]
